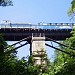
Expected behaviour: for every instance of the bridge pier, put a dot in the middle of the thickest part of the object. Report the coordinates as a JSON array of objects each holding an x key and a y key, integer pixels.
[{"x": 37, "y": 48}]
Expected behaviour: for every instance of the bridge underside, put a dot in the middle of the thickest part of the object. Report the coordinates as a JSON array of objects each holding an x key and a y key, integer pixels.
[{"x": 16, "y": 34}]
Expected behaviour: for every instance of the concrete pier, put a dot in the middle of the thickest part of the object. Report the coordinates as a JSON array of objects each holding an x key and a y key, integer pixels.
[{"x": 38, "y": 49}]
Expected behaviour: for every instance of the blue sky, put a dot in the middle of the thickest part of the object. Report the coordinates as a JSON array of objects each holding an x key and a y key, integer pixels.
[{"x": 35, "y": 11}]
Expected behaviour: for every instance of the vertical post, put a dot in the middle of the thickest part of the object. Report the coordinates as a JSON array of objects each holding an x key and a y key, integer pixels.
[
  {"x": 38, "y": 48},
  {"x": 30, "y": 48}
]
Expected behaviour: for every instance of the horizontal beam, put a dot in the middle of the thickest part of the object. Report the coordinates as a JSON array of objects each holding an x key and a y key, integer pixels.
[{"x": 18, "y": 34}]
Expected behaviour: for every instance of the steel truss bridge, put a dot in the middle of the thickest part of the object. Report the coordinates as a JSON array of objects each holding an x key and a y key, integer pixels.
[
  {"x": 24, "y": 32},
  {"x": 18, "y": 31}
]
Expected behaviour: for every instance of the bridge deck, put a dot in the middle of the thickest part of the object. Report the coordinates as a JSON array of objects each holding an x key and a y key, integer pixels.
[{"x": 16, "y": 34}]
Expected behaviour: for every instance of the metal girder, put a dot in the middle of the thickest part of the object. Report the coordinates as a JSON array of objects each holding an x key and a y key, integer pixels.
[
  {"x": 19, "y": 42},
  {"x": 60, "y": 50},
  {"x": 58, "y": 43},
  {"x": 16, "y": 48}
]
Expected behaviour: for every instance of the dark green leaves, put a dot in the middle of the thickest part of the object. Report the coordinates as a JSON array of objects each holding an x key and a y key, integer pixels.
[
  {"x": 73, "y": 4},
  {"x": 6, "y": 3}
]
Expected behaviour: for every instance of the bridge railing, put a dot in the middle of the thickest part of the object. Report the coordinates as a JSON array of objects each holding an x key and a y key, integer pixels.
[{"x": 39, "y": 26}]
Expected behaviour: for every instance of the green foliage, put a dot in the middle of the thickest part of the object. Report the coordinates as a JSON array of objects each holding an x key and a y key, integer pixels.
[
  {"x": 6, "y": 3},
  {"x": 73, "y": 4},
  {"x": 63, "y": 63},
  {"x": 11, "y": 65},
  {"x": 71, "y": 11},
  {"x": 67, "y": 69}
]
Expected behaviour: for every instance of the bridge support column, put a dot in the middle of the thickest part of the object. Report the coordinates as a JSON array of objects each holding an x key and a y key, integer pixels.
[{"x": 38, "y": 49}]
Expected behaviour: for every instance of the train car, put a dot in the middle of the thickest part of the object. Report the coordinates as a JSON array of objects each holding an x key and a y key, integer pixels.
[
  {"x": 66, "y": 26},
  {"x": 5, "y": 24},
  {"x": 8, "y": 24},
  {"x": 43, "y": 26},
  {"x": 20, "y": 25}
]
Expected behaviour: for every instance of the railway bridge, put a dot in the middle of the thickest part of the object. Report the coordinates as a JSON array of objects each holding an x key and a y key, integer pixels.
[{"x": 36, "y": 35}]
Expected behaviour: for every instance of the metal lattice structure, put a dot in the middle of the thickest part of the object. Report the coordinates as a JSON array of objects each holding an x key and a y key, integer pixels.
[{"x": 36, "y": 35}]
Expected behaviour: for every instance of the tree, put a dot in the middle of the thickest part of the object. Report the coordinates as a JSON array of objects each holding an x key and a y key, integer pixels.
[
  {"x": 71, "y": 11},
  {"x": 6, "y": 3},
  {"x": 11, "y": 65},
  {"x": 63, "y": 63},
  {"x": 73, "y": 5}
]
